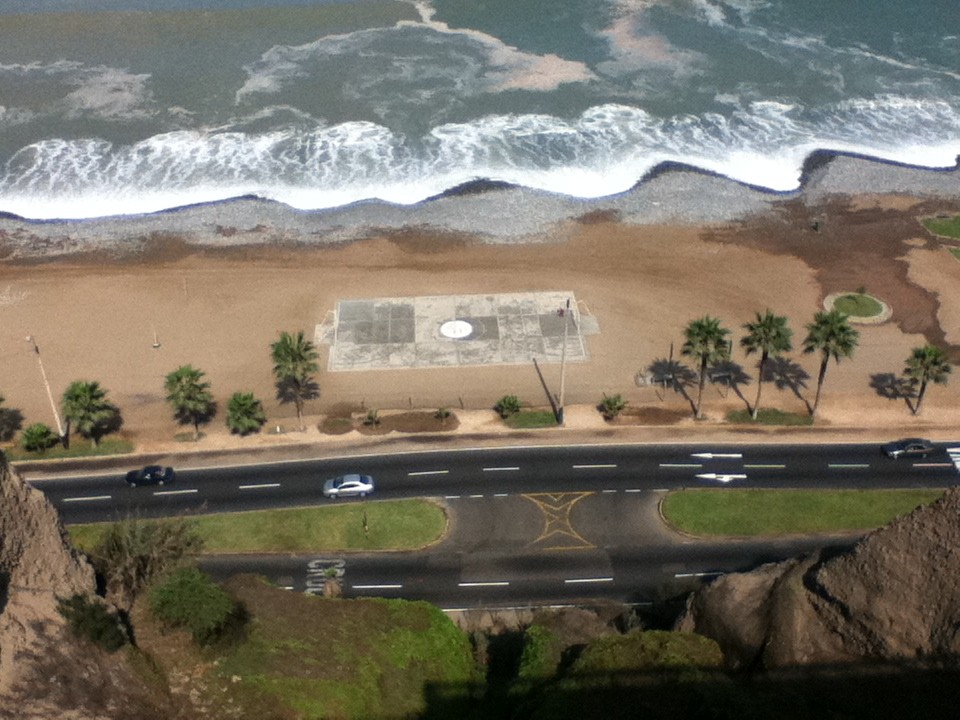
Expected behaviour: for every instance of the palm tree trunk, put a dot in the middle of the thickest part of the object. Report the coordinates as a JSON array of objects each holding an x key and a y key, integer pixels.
[
  {"x": 756, "y": 403},
  {"x": 703, "y": 377},
  {"x": 196, "y": 428},
  {"x": 923, "y": 390},
  {"x": 299, "y": 404},
  {"x": 820, "y": 376}
]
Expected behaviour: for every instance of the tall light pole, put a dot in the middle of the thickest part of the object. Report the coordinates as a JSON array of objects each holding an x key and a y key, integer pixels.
[
  {"x": 563, "y": 361},
  {"x": 46, "y": 384}
]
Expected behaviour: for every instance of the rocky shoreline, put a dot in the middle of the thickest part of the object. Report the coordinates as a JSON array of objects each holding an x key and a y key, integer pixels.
[{"x": 490, "y": 213}]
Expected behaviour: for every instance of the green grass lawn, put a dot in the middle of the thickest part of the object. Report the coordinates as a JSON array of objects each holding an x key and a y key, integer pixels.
[
  {"x": 769, "y": 416},
  {"x": 857, "y": 305},
  {"x": 394, "y": 525},
  {"x": 78, "y": 448},
  {"x": 531, "y": 419},
  {"x": 947, "y": 227},
  {"x": 784, "y": 512}
]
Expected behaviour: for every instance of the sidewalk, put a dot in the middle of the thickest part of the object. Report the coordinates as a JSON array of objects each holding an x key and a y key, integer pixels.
[{"x": 483, "y": 429}]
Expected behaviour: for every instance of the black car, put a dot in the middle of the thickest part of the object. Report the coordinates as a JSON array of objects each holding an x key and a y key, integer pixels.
[
  {"x": 908, "y": 447},
  {"x": 151, "y": 475}
]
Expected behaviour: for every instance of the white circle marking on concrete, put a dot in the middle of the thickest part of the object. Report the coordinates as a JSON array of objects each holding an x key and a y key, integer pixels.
[{"x": 456, "y": 329}]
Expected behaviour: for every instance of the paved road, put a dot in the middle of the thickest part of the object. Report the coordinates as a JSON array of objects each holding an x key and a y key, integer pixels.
[
  {"x": 529, "y": 525},
  {"x": 501, "y": 472}
]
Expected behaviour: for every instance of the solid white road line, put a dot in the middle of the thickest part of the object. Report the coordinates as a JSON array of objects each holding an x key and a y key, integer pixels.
[
  {"x": 258, "y": 487},
  {"x": 501, "y": 469},
  {"x": 847, "y": 465},
  {"x": 88, "y": 498},
  {"x": 495, "y": 583},
  {"x": 589, "y": 580},
  {"x": 376, "y": 587},
  {"x": 593, "y": 467},
  {"x": 681, "y": 465},
  {"x": 176, "y": 492},
  {"x": 427, "y": 472}
]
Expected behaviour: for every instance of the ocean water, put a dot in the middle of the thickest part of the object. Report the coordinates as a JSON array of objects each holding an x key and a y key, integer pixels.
[{"x": 126, "y": 107}]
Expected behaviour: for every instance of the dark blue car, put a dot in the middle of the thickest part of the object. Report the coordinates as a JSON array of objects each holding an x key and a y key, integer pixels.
[{"x": 151, "y": 475}]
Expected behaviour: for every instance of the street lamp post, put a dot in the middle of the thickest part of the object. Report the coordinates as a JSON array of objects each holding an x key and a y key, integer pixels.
[
  {"x": 563, "y": 362},
  {"x": 43, "y": 373}
]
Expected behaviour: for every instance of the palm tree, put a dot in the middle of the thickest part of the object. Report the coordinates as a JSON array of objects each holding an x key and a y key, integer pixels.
[
  {"x": 245, "y": 413},
  {"x": 770, "y": 336},
  {"x": 190, "y": 397},
  {"x": 829, "y": 334},
  {"x": 706, "y": 342},
  {"x": 294, "y": 362},
  {"x": 925, "y": 365},
  {"x": 85, "y": 407}
]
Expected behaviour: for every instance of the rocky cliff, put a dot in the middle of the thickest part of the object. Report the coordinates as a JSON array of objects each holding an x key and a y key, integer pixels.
[
  {"x": 44, "y": 671},
  {"x": 895, "y": 596}
]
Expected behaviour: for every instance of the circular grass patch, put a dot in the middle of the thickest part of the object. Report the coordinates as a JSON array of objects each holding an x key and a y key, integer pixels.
[{"x": 858, "y": 305}]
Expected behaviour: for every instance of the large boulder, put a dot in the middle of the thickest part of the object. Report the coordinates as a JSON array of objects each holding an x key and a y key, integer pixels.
[{"x": 894, "y": 596}]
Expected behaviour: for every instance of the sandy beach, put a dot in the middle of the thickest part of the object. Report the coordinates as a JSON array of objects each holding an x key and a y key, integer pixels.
[{"x": 218, "y": 305}]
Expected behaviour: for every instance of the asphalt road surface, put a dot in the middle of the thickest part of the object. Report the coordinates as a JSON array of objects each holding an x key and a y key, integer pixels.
[{"x": 534, "y": 525}]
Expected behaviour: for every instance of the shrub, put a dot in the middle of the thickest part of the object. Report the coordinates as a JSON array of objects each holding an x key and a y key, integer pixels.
[
  {"x": 93, "y": 621},
  {"x": 37, "y": 438},
  {"x": 540, "y": 655},
  {"x": 507, "y": 405},
  {"x": 133, "y": 552},
  {"x": 612, "y": 405},
  {"x": 189, "y": 599},
  {"x": 373, "y": 417},
  {"x": 442, "y": 414}
]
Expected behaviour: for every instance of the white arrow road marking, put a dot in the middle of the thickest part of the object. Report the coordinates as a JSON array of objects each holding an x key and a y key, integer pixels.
[
  {"x": 714, "y": 456},
  {"x": 955, "y": 456},
  {"x": 88, "y": 498},
  {"x": 427, "y": 472},
  {"x": 258, "y": 487},
  {"x": 720, "y": 477},
  {"x": 176, "y": 492}
]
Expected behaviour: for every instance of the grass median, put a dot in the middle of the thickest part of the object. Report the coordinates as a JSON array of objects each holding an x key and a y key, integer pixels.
[
  {"x": 731, "y": 512},
  {"x": 392, "y": 525}
]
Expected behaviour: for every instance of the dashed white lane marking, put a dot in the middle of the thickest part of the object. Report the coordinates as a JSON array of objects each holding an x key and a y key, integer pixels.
[
  {"x": 451, "y": 497},
  {"x": 501, "y": 494},
  {"x": 88, "y": 498},
  {"x": 932, "y": 465},
  {"x": 493, "y": 583},
  {"x": 259, "y": 486},
  {"x": 176, "y": 492},
  {"x": 286, "y": 587},
  {"x": 698, "y": 574},
  {"x": 502, "y": 469},
  {"x": 713, "y": 456},
  {"x": 848, "y": 466},
  {"x": 572, "y": 581},
  {"x": 633, "y": 490},
  {"x": 598, "y": 466},
  {"x": 606, "y": 492},
  {"x": 427, "y": 472},
  {"x": 377, "y": 587},
  {"x": 765, "y": 466},
  {"x": 474, "y": 497},
  {"x": 681, "y": 465}
]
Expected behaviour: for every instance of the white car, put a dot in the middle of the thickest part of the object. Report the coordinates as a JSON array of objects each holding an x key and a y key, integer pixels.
[{"x": 348, "y": 486}]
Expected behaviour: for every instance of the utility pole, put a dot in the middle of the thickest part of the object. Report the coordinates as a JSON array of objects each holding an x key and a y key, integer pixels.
[
  {"x": 43, "y": 373},
  {"x": 563, "y": 361}
]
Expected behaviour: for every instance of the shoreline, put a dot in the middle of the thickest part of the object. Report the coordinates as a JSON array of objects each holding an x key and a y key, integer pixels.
[{"x": 481, "y": 211}]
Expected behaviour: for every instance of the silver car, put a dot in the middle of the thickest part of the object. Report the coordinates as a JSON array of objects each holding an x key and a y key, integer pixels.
[{"x": 348, "y": 486}]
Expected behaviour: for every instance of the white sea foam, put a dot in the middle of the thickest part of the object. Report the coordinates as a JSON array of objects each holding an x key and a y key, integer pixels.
[{"x": 603, "y": 152}]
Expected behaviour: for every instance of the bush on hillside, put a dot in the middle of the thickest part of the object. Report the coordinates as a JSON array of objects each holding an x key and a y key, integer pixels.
[
  {"x": 94, "y": 621},
  {"x": 189, "y": 599}
]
